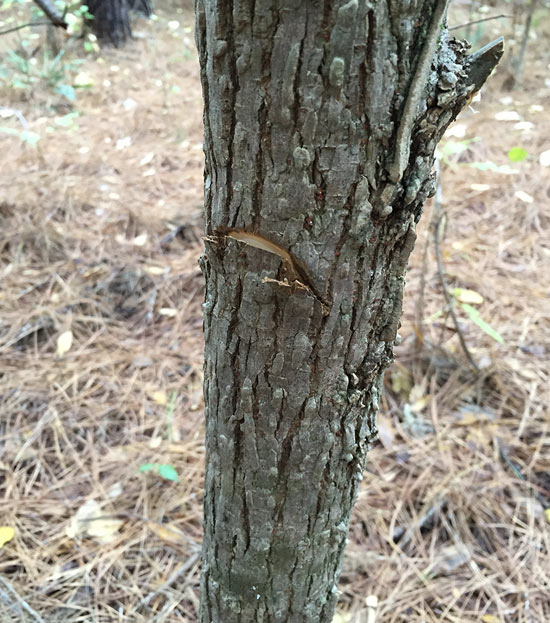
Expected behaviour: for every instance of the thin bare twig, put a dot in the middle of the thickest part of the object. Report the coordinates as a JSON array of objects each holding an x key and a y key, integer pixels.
[
  {"x": 419, "y": 307},
  {"x": 479, "y": 21},
  {"x": 518, "y": 62},
  {"x": 438, "y": 220},
  {"x": 518, "y": 473},
  {"x": 16, "y": 599},
  {"x": 177, "y": 573},
  {"x": 21, "y": 26},
  {"x": 52, "y": 13},
  {"x": 17, "y": 113}
]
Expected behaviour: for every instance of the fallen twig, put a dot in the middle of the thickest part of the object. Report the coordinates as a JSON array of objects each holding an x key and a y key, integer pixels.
[
  {"x": 177, "y": 573},
  {"x": 14, "y": 596},
  {"x": 437, "y": 222},
  {"x": 479, "y": 21}
]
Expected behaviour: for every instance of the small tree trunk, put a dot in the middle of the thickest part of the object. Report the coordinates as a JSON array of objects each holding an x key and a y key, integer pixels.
[
  {"x": 111, "y": 20},
  {"x": 517, "y": 65},
  {"x": 145, "y": 7},
  {"x": 321, "y": 120}
]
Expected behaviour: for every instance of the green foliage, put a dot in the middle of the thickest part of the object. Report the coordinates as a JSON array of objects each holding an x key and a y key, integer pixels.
[
  {"x": 517, "y": 154},
  {"x": 31, "y": 65},
  {"x": 461, "y": 295},
  {"x": 475, "y": 317},
  {"x": 22, "y": 71},
  {"x": 492, "y": 166},
  {"x": 26, "y": 136},
  {"x": 450, "y": 150},
  {"x": 170, "y": 414},
  {"x": 31, "y": 138},
  {"x": 66, "y": 90},
  {"x": 162, "y": 469},
  {"x": 67, "y": 121}
]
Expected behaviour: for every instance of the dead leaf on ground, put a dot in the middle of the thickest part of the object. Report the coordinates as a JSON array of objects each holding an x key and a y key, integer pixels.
[
  {"x": 386, "y": 431},
  {"x": 6, "y": 535},
  {"x": 90, "y": 521},
  {"x": 64, "y": 343},
  {"x": 167, "y": 532},
  {"x": 449, "y": 559}
]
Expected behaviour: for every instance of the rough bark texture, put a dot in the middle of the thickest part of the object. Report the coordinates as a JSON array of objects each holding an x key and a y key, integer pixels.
[
  {"x": 145, "y": 7},
  {"x": 111, "y": 20},
  {"x": 321, "y": 119}
]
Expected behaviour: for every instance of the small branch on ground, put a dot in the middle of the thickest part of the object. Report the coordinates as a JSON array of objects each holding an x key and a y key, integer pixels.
[
  {"x": 16, "y": 602},
  {"x": 17, "y": 113},
  {"x": 437, "y": 222},
  {"x": 480, "y": 21},
  {"x": 419, "y": 307},
  {"x": 21, "y": 26},
  {"x": 52, "y": 13},
  {"x": 177, "y": 573},
  {"x": 517, "y": 472}
]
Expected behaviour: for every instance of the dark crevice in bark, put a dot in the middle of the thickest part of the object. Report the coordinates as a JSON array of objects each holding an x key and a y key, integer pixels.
[
  {"x": 246, "y": 526},
  {"x": 259, "y": 167},
  {"x": 348, "y": 206},
  {"x": 296, "y": 87},
  {"x": 234, "y": 79}
]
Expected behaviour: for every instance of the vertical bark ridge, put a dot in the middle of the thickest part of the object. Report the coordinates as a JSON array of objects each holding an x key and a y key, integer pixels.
[{"x": 302, "y": 114}]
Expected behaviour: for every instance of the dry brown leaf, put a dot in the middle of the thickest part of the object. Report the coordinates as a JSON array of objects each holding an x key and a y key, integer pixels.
[
  {"x": 167, "y": 532},
  {"x": 142, "y": 361},
  {"x": 6, "y": 535},
  {"x": 159, "y": 396},
  {"x": 89, "y": 521},
  {"x": 64, "y": 343},
  {"x": 386, "y": 431},
  {"x": 342, "y": 617},
  {"x": 523, "y": 196},
  {"x": 449, "y": 559},
  {"x": 157, "y": 270},
  {"x": 467, "y": 296}
]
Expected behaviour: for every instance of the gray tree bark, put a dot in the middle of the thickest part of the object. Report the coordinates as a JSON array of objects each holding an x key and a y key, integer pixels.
[
  {"x": 321, "y": 120},
  {"x": 111, "y": 20}
]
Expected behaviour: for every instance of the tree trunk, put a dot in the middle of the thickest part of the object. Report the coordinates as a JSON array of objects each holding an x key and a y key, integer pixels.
[
  {"x": 518, "y": 62},
  {"x": 321, "y": 120},
  {"x": 111, "y": 20},
  {"x": 145, "y": 7}
]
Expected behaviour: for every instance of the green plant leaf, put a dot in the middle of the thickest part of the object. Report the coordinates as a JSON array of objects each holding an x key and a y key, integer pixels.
[
  {"x": 147, "y": 467},
  {"x": 67, "y": 91},
  {"x": 474, "y": 315},
  {"x": 491, "y": 166},
  {"x": 67, "y": 121},
  {"x": 162, "y": 469},
  {"x": 464, "y": 295},
  {"x": 517, "y": 154},
  {"x": 168, "y": 473},
  {"x": 31, "y": 138}
]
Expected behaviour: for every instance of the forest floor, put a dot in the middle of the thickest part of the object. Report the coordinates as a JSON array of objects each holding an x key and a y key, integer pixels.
[{"x": 101, "y": 425}]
